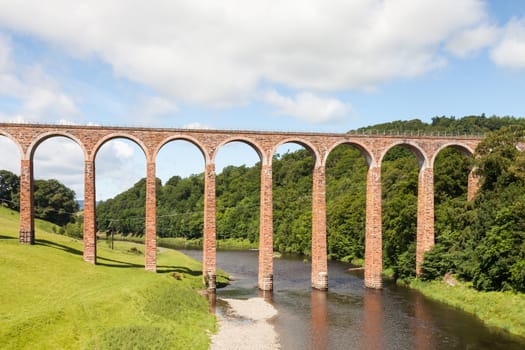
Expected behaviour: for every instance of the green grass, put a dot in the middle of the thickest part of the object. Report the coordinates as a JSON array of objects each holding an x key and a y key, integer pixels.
[
  {"x": 503, "y": 310},
  {"x": 52, "y": 299},
  {"x": 184, "y": 243}
]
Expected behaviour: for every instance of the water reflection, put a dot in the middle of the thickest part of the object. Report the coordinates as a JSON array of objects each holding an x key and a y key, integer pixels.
[
  {"x": 373, "y": 319},
  {"x": 424, "y": 325},
  {"x": 212, "y": 302},
  {"x": 350, "y": 316},
  {"x": 319, "y": 319}
]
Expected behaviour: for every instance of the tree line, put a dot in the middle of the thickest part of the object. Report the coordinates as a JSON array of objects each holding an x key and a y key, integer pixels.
[{"x": 53, "y": 201}]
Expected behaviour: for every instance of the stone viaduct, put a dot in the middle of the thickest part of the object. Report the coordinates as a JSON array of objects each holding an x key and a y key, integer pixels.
[{"x": 27, "y": 138}]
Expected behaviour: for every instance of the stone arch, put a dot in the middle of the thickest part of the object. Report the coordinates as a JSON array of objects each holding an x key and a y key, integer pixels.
[
  {"x": 254, "y": 145},
  {"x": 464, "y": 149},
  {"x": 46, "y": 136},
  {"x": 15, "y": 141},
  {"x": 187, "y": 138},
  {"x": 362, "y": 148},
  {"x": 419, "y": 153},
  {"x": 103, "y": 140},
  {"x": 307, "y": 145}
]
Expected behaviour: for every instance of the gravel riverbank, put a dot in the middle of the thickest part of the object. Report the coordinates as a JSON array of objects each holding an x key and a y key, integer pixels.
[{"x": 244, "y": 325}]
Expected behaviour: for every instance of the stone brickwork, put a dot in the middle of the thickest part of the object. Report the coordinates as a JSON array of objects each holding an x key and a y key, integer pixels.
[{"x": 373, "y": 147}]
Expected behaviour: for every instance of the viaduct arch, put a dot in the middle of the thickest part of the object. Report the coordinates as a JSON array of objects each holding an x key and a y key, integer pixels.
[{"x": 90, "y": 138}]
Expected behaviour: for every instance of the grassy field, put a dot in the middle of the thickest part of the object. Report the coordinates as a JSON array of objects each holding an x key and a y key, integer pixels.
[{"x": 52, "y": 299}]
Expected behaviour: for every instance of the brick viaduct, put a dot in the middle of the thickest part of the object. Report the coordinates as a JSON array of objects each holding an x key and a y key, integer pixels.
[{"x": 27, "y": 137}]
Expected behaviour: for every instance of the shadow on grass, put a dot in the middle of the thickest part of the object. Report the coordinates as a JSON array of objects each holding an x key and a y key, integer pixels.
[
  {"x": 179, "y": 269},
  {"x": 117, "y": 263},
  {"x": 8, "y": 237},
  {"x": 55, "y": 245}
]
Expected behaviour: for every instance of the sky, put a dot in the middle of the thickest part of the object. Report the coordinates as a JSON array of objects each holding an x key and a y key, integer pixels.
[{"x": 322, "y": 66}]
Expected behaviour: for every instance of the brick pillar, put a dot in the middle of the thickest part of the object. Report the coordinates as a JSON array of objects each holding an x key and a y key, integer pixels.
[
  {"x": 209, "y": 259},
  {"x": 151, "y": 218},
  {"x": 27, "y": 208},
  {"x": 425, "y": 215},
  {"x": 373, "y": 239},
  {"x": 319, "y": 258},
  {"x": 90, "y": 224},
  {"x": 473, "y": 185},
  {"x": 266, "y": 230}
]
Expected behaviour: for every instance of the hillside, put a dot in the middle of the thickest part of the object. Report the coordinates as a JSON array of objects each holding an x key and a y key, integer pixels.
[{"x": 52, "y": 299}]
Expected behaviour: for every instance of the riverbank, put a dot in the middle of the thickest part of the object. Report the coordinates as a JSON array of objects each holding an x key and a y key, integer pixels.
[
  {"x": 503, "y": 310},
  {"x": 243, "y": 324}
]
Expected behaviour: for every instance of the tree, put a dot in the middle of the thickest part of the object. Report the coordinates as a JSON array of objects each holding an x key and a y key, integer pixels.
[
  {"x": 54, "y": 202},
  {"x": 9, "y": 188}
]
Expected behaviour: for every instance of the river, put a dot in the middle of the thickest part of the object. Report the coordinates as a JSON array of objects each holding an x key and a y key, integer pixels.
[{"x": 350, "y": 316}]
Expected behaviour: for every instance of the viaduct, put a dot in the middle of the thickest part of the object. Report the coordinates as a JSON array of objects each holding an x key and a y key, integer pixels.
[{"x": 27, "y": 138}]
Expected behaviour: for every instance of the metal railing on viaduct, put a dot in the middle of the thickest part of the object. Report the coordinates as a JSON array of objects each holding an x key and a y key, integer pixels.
[{"x": 27, "y": 138}]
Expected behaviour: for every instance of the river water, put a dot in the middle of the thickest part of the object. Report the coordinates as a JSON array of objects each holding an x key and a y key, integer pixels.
[{"x": 350, "y": 316}]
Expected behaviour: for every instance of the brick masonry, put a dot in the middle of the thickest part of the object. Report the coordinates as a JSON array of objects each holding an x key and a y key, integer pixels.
[{"x": 27, "y": 137}]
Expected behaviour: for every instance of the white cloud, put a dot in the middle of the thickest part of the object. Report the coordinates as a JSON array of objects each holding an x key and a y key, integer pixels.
[
  {"x": 156, "y": 105},
  {"x": 119, "y": 165},
  {"x": 61, "y": 159},
  {"x": 308, "y": 107},
  {"x": 474, "y": 39},
  {"x": 196, "y": 125},
  {"x": 10, "y": 159},
  {"x": 510, "y": 52},
  {"x": 39, "y": 96},
  {"x": 122, "y": 150},
  {"x": 220, "y": 53}
]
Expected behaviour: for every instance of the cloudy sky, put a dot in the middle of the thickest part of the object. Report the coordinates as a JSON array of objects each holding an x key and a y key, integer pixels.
[{"x": 327, "y": 66}]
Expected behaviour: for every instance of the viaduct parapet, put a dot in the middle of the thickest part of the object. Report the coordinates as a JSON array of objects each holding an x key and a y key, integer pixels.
[{"x": 27, "y": 138}]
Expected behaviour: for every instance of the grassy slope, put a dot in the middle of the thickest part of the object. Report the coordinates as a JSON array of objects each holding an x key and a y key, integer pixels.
[
  {"x": 497, "y": 309},
  {"x": 51, "y": 299}
]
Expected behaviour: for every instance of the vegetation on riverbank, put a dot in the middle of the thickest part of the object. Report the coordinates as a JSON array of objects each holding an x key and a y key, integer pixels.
[
  {"x": 52, "y": 299},
  {"x": 496, "y": 309}
]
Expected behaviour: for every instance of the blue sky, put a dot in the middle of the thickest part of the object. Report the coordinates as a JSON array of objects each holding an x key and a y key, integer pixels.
[{"x": 328, "y": 66}]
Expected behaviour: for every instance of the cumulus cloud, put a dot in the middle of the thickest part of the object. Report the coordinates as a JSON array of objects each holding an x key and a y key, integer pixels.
[
  {"x": 472, "y": 40},
  {"x": 219, "y": 53},
  {"x": 61, "y": 159},
  {"x": 37, "y": 94},
  {"x": 119, "y": 165},
  {"x": 510, "y": 51},
  {"x": 308, "y": 107}
]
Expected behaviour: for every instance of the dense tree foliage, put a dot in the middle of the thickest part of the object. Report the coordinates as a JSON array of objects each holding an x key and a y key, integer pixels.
[
  {"x": 9, "y": 188},
  {"x": 481, "y": 241},
  {"x": 53, "y": 201},
  {"x": 484, "y": 241}
]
